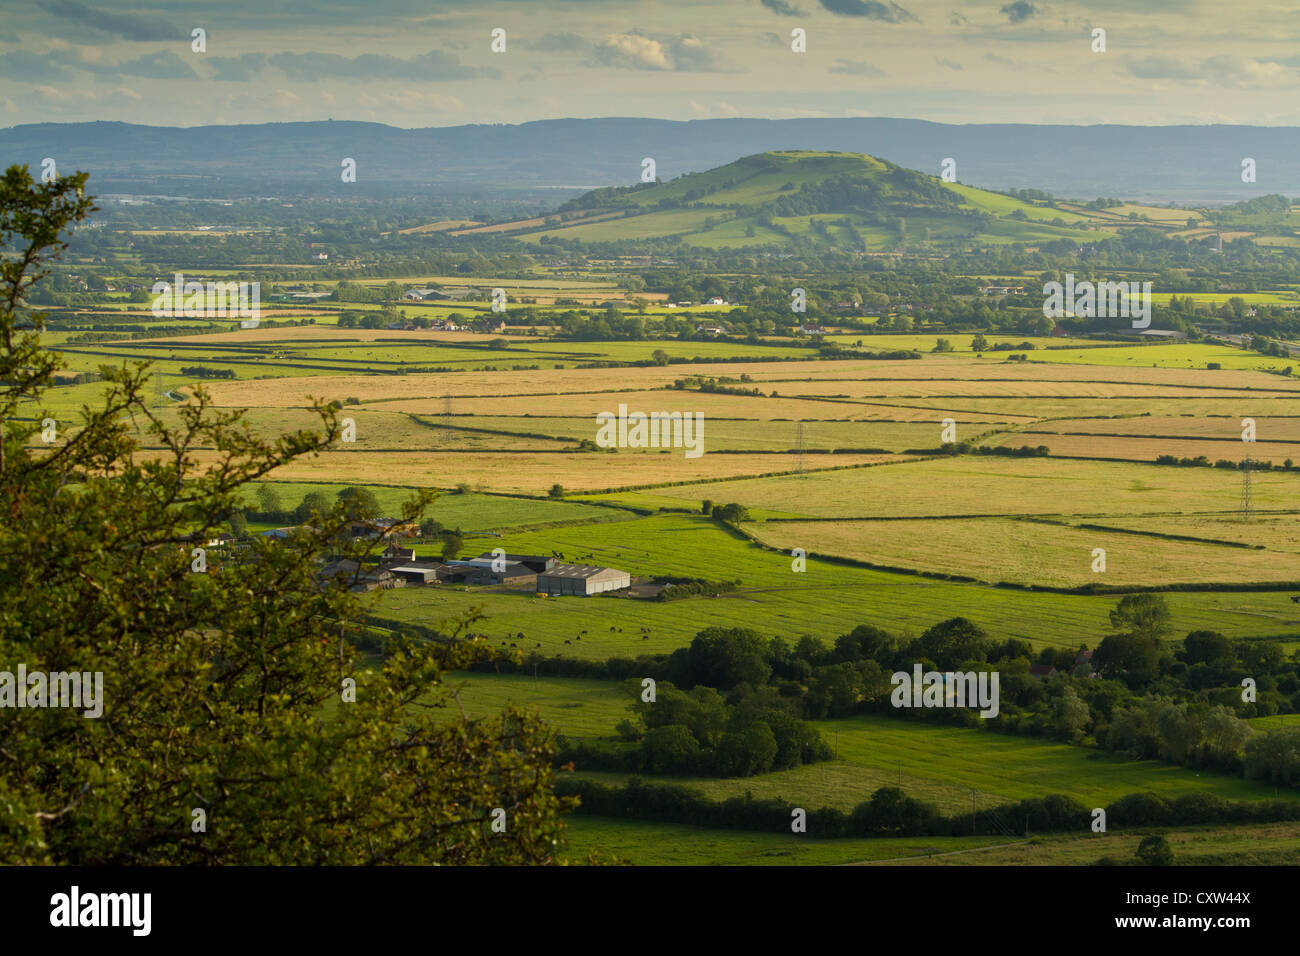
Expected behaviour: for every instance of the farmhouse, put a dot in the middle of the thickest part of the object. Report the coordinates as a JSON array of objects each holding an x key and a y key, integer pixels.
[
  {"x": 581, "y": 579},
  {"x": 812, "y": 330},
  {"x": 1002, "y": 290},
  {"x": 713, "y": 329},
  {"x": 393, "y": 553}
]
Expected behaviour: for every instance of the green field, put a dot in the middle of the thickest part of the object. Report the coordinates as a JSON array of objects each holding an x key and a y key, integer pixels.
[
  {"x": 939, "y": 763},
  {"x": 826, "y": 600}
]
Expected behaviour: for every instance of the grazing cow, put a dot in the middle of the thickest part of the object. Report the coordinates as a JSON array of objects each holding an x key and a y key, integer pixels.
[{"x": 568, "y": 642}]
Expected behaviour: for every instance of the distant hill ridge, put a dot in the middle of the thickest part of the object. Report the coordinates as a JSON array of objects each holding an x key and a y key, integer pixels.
[{"x": 1155, "y": 163}]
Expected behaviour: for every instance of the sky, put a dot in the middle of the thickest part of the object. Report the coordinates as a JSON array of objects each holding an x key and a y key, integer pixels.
[{"x": 423, "y": 63}]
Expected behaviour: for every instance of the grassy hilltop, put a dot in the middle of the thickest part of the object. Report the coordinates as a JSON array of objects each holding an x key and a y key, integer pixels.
[{"x": 847, "y": 200}]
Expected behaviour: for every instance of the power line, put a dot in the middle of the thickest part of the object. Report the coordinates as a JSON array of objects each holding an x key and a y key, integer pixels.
[{"x": 1245, "y": 490}]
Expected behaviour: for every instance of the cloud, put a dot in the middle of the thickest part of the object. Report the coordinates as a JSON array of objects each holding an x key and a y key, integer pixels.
[
  {"x": 1224, "y": 71},
  {"x": 855, "y": 68},
  {"x": 783, "y": 8},
  {"x": 163, "y": 65},
  {"x": 1227, "y": 70},
  {"x": 958, "y": 19},
  {"x": 1020, "y": 11},
  {"x": 55, "y": 67},
  {"x": 950, "y": 64},
  {"x": 434, "y": 65},
  {"x": 128, "y": 26},
  {"x": 640, "y": 51},
  {"x": 237, "y": 68},
  {"x": 713, "y": 110},
  {"x": 557, "y": 43},
  {"x": 870, "y": 9},
  {"x": 34, "y": 67},
  {"x": 1162, "y": 68},
  {"x": 1000, "y": 60}
]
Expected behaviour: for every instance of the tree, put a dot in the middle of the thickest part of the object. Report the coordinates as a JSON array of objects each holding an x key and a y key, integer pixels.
[
  {"x": 1130, "y": 655},
  {"x": 557, "y": 490},
  {"x": 659, "y": 356},
  {"x": 732, "y": 514},
  {"x": 724, "y": 657},
  {"x": 221, "y": 692},
  {"x": 706, "y": 506},
  {"x": 361, "y": 503},
  {"x": 942, "y": 345},
  {"x": 1143, "y": 620},
  {"x": 268, "y": 502},
  {"x": 1206, "y": 647},
  {"x": 1072, "y": 716},
  {"x": 953, "y": 642},
  {"x": 313, "y": 503},
  {"x": 670, "y": 749},
  {"x": 979, "y": 343},
  {"x": 1143, "y": 614},
  {"x": 452, "y": 545},
  {"x": 1154, "y": 850}
]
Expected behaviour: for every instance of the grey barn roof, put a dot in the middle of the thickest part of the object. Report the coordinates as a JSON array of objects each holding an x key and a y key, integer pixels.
[{"x": 574, "y": 571}]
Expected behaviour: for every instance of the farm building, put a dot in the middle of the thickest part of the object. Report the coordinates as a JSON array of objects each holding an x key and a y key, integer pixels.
[
  {"x": 581, "y": 579},
  {"x": 536, "y": 562},
  {"x": 358, "y": 579},
  {"x": 380, "y": 528},
  {"x": 417, "y": 573},
  {"x": 400, "y": 555},
  {"x": 1169, "y": 335},
  {"x": 481, "y": 571}
]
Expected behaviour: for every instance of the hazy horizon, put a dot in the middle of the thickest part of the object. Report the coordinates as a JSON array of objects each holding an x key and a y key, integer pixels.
[{"x": 399, "y": 63}]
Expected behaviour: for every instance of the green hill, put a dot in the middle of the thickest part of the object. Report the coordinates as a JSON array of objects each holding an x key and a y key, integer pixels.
[{"x": 781, "y": 199}]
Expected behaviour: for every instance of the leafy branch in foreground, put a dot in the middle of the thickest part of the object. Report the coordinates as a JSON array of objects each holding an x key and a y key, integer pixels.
[{"x": 231, "y": 695}]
